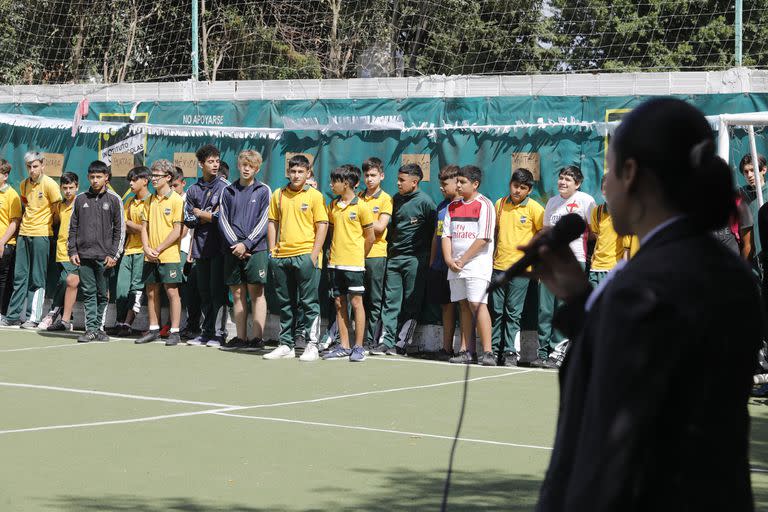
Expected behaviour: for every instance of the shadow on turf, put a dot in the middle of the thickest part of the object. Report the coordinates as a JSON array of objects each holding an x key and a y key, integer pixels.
[{"x": 375, "y": 491}]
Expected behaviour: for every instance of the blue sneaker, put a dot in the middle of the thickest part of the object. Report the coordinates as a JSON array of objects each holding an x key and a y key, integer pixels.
[
  {"x": 198, "y": 341},
  {"x": 357, "y": 355},
  {"x": 337, "y": 354}
]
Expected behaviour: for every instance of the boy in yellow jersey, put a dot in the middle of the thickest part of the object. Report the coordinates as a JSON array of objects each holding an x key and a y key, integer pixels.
[
  {"x": 518, "y": 218},
  {"x": 160, "y": 238},
  {"x": 351, "y": 225},
  {"x": 298, "y": 223},
  {"x": 610, "y": 248},
  {"x": 130, "y": 284},
  {"x": 10, "y": 218},
  {"x": 380, "y": 204},
  {"x": 66, "y": 288},
  {"x": 39, "y": 195}
]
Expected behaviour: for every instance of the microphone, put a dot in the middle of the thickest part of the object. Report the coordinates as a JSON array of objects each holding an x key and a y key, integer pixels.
[{"x": 567, "y": 229}]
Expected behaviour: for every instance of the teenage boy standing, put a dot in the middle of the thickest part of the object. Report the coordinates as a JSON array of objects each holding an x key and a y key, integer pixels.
[
  {"x": 96, "y": 237},
  {"x": 39, "y": 194},
  {"x": 409, "y": 240},
  {"x": 10, "y": 218}
]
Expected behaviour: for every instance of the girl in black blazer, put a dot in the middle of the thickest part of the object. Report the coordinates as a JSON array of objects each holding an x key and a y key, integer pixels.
[{"x": 654, "y": 389}]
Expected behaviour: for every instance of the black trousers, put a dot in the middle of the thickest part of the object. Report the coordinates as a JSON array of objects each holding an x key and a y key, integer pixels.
[{"x": 7, "y": 262}]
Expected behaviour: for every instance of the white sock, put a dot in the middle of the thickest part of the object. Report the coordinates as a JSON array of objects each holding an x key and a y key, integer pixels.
[
  {"x": 154, "y": 327},
  {"x": 174, "y": 329}
]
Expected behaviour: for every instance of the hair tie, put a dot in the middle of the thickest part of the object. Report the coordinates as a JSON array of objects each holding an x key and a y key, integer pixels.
[{"x": 701, "y": 153}]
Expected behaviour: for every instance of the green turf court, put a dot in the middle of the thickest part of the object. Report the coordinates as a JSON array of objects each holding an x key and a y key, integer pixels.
[{"x": 114, "y": 426}]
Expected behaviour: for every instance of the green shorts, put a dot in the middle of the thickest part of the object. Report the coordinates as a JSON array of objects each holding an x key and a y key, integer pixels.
[
  {"x": 345, "y": 282},
  {"x": 69, "y": 268},
  {"x": 251, "y": 270},
  {"x": 165, "y": 273}
]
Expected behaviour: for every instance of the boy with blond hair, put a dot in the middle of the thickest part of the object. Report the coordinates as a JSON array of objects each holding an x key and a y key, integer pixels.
[
  {"x": 243, "y": 211},
  {"x": 39, "y": 195}
]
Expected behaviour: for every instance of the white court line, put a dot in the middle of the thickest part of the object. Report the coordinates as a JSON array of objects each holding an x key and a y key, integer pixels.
[
  {"x": 45, "y": 347},
  {"x": 758, "y": 470},
  {"x": 388, "y": 431},
  {"x": 383, "y": 391},
  {"x": 118, "y": 422},
  {"x": 114, "y": 395}
]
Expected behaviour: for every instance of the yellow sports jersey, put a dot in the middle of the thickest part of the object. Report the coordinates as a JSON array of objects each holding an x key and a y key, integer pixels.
[
  {"x": 134, "y": 210},
  {"x": 10, "y": 208},
  {"x": 160, "y": 214},
  {"x": 348, "y": 243},
  {"x": 379, "y": 203},
  {"x": 38, "y": 199},
  {"x": 633, "y": 243},
  {"x": 65, "y": 214},
  {"x": 516, "y": 225},
  {"x": 296, "y": 214},
  {"x": 609, "y": 247}
]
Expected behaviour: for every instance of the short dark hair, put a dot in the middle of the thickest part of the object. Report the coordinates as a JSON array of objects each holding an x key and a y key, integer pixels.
[
  {"x": 373, "y": 163},
  {"x": 97, "y": 166},
  {"x": 347, "y": 173},
  {"x": 523, "y": 177},
  {"x": 574, "y": 172},
  {"x": 207, "y": 151},
  {"x": 472, "y": 173},
  {"x": 138, "y": 173},
  {"x": 5, "y": 167},
  {"x": 68, "y": 178},
  {"x": 179, "y": 174},
  {"x": 411, "y": 170},
  {"x": 300, "y": 161},
  {"x": 747, "y": 160},
  {"x": 448, "y": 172},
  {"x": 224, "y": 169}
]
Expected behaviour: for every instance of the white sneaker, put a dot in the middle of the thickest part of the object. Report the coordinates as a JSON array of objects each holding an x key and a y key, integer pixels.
[
  {"x": 310, "y": 353},
  {"x": 45, "y": 323},
  {"x": 281, "y": 352}
]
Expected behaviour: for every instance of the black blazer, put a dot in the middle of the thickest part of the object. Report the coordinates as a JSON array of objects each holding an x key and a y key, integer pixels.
[{"x": 654, "y": 388}]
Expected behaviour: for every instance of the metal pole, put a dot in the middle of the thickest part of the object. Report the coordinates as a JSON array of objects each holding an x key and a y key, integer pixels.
[
  {"x": 738, "y": 29},
  {"x": 195, "y": 25},
  {"x": 756, "y": 167}
]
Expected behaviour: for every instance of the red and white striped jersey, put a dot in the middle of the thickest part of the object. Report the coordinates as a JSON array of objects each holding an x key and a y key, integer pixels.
[{"x": 465, "y": 222}]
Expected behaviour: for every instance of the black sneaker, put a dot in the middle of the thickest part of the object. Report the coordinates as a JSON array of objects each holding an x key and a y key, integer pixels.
[
  {"x": 462, "y": 357},
  {"x": 537, "y": 363},
  {"x": 382, "y": 349},
  {"x": 299, "y": 342},
  {"x": 60, "y": 325},
  {"x": 443, "y": 355},
  {"x": 148, "y": 337},
  {"x": 101, "y": 336},
  {"x": 234, "y": 344},
  {"x": 333, "y": 346},
  {"x": 188, "y": 334},
  {"x": 173, "y": 339},
  {"x": 487, "y": 359},
  {"x": 87, "y": 337},
  {"x": 511, "y": 359},
  {"x": 9, "y": 323},
  {"x": 551, "y": 364},
  {"x": 124, "y": 331},
  {"x": 254, "y": 345}
]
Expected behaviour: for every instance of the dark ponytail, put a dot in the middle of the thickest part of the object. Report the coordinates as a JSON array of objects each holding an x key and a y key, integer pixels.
[{"x": 674, "y": 141}]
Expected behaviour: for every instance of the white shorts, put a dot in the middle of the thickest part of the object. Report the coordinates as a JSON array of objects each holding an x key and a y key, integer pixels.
[{"x": 471, "y": 288}]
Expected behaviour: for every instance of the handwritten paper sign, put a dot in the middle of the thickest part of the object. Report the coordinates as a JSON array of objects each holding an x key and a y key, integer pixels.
[
  {"x": 187, "y": 162},
  {"x": 122, "y": 163},
  {"x": 530, "y": 161},
  {"x": 54, "y": 164},
  {"x": 288, "y": 157},
  {"x": 420, "y": 159}
]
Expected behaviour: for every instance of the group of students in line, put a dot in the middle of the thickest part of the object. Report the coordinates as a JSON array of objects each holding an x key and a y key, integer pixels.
[{"x": 219, "y": 239}]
